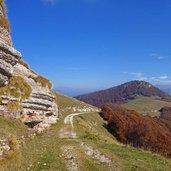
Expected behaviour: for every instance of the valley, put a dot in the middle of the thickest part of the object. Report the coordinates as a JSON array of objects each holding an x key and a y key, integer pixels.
[
  {"x": 123, "y": 128},
  {"x": 94, "y": 148}
]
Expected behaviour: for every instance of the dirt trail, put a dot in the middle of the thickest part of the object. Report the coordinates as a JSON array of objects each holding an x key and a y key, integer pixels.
[
  {"x": 70, "y": 158},
  {"x": 69, "y": 119},
  {"x": 67, "y": 131},
  {"x": 69, "y": 151}
]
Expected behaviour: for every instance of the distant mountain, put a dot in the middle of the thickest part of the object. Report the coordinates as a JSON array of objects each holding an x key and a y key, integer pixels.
[
  {"x": 165, "y": 88},
  {"x": 168, "y": 91},
  {"x": 70, "y": 91},
  {"x": 123, "y": 93}
]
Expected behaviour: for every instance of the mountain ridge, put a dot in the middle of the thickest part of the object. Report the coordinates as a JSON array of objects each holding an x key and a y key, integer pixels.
[{"x": 122, "y": 93}]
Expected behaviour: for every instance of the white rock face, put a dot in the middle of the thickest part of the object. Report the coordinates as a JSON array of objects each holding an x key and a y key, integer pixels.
[
  {"x": 4, "y": 146},
  {"x": 40, "y": 108},
  {"x": 8, "y": 59},
  {"x": 8, "y": 55},
  {"x": 5, "y": 36}
]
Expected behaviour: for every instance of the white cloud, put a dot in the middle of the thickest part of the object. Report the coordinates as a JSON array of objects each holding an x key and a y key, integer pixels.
[
  {"x": 136, "y": 74},
  {"x": 52, "y": 2},
  {"x": 162, "y": 80},
  {"x": 161, "y": 57},
  {"x": 157, "y": 56},
  {"x": 164, "y": 77}
]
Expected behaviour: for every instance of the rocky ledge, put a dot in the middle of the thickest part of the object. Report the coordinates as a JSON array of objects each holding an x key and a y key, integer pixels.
[
  {"x": 5, "y": 36},
  {"x": 39, "y": 109},
  {"x": 23, "y": 93},
  {"x": 8, "y": 58}
]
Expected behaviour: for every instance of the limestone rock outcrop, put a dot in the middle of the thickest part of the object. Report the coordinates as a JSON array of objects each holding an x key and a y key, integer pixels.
[
  {"x": 5, "y": 36},
  {"x": 23, "y": 93},
  {"x": 41, "y": 105},
  {"x": 8, "y": 55},
  {"x": 8, "y": 59}
]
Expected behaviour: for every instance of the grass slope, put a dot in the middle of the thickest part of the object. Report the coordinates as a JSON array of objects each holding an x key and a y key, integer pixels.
[
  {"x": 44, "y": 152},
  {"x": 68, "y": 104},
  {"x": 146, "y": 105}
]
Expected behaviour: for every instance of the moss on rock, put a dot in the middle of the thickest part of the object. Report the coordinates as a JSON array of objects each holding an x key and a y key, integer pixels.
[
  {"x": 17, "y": 87},
  {"x": 43, "y": 81},
  {"x": 14, "y": 106},
  {"x": 23, "y": 63}
]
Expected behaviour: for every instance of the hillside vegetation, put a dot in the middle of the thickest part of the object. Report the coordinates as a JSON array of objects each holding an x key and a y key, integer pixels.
[
  {"x": 70, "y": 105},
  {"x": 123, "y": 93},
  {"x": 130, "y": 127},
  {"x": 49, "y": 151},
  {"x": 146, "y": 105}
]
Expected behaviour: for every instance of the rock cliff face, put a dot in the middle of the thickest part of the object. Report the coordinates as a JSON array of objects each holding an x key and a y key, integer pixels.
[
  {"x": 41, "y": 105},
  {"x": 23, "y": 93},
  {"x": 8, "y": 55},
  {"x": 5, "y": 36}
]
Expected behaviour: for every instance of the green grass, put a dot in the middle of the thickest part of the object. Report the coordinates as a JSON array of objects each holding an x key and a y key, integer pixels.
[
  {"x": 126, "y": 158},
  {"x": 12, "y": 130},
  {"x": 43, "y": 152},
  {"x": 146, "y": 105},
  {"x": 9, "y": 126},
  {"x": 66, "y": 104}
]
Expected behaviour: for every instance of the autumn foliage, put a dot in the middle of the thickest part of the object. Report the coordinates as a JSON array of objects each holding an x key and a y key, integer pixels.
[
  {"x": 123, "y": 93},
  {"x": 166, "y": 116},
  {"x": 139, "y": 131}
]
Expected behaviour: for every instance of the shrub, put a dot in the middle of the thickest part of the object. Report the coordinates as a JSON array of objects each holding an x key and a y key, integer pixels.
[
  {"x": 14, "y": 106},
  {"x": 2, "y": 4},
  {"x": 165, "y": 116},
  {"x": 43, "y": 81},
  {"x": 23, "y": 63},
  {"x": 4, "y": 23},
  {"x": 3, "y": 20},
  {"x": 17, "y": 87},
  {"x": 140, "y": 131}
]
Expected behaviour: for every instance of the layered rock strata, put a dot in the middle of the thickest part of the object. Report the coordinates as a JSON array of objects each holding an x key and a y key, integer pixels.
[
  {"x": 26, "y": 98},
  {"x": 5, "y": 36},
  {"x": 8, "y": 55},
  {"x": 39, "y": 110},
  {"x": 8, "y": 59}
]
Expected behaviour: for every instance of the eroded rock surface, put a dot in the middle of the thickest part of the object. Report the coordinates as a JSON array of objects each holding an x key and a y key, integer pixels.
[
  {"x": 8, "y": 55},
  {"x": 38, "y": 108},
  {"x": 8, "y": 59}
]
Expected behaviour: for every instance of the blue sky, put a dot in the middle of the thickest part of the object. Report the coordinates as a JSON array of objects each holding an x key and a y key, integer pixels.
[{"x": 85, "y": 45}]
